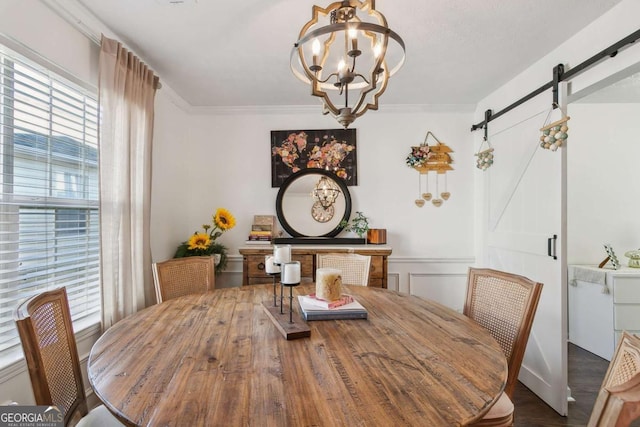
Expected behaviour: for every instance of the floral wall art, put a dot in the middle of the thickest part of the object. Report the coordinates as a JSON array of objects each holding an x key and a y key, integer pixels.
[{"x": 333, "y": 149}]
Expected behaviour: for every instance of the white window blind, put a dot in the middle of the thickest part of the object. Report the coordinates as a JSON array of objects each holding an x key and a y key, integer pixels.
[{"x": 49, "y": 216}]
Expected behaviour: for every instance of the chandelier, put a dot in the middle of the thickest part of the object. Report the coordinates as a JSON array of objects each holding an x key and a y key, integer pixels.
[
  {"x": 325, "y": 192},
  {"x": 344, "y": 53}
]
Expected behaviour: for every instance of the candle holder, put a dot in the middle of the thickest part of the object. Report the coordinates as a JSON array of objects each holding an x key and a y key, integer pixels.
[
  {"x": 290, "y": 286},
  {"x": 275, "y": 297},
  {"x": 273, "y": 270},
  {"x": 275, "y": 293},
  {"x": 295, "y": 327},
  {"x": 281, "y": 256},
  {"x": 290, "y": 278}
]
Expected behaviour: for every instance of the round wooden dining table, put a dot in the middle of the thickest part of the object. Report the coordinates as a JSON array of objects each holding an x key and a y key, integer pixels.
[{"x": 216, "y": 359}]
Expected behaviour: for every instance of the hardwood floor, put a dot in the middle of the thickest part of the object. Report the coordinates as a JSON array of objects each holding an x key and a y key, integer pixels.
[{"x": 586, "y": 372}]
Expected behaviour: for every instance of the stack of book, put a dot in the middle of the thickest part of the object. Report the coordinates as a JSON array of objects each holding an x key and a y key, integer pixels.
[
  {"x": 263, "y": 229},
  {"x": 260, "y": 235},
  {"x": 312, "y": 308}
]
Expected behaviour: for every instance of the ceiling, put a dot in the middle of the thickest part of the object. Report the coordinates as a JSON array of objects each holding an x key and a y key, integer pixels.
[{"x": 236, "y": 53}]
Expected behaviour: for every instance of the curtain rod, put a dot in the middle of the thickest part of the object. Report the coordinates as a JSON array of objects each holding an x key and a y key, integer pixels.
[{"x": 561, "y": 75}]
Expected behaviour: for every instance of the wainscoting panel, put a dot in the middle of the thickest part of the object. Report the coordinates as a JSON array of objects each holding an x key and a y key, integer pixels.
[
  {"x": 440, "y": 279},
  {"x": 447, "y": 289}
]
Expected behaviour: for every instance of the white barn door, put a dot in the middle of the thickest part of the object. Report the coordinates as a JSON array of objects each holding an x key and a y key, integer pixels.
[{"x": 522, "y": 205}]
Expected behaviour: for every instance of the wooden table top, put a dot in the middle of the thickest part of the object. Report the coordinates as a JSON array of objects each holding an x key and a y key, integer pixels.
[{"x": 217, "y": 359}]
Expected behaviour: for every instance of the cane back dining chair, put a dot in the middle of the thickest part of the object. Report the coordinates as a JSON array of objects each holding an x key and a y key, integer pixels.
[
  {"x": 354, "y": 267},
  {"x": 46, "y": 333},
  {"x": 505, "y": 304},
  {"x": 182, "y": 276},
  {"x": 618, "y": 402}
]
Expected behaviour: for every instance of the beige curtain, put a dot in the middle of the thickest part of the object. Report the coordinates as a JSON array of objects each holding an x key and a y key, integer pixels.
[{"x": 126, "y": 96}]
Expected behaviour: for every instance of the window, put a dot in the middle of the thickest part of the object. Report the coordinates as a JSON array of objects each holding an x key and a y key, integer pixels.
[{"x": 49, "y": 215}]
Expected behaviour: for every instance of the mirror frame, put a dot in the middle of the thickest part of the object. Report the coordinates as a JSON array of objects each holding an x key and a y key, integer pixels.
[{"x": 304, "y": 172}]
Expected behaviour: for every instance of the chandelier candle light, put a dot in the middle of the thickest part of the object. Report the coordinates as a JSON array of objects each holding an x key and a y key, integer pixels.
[{"x": 348, "y": 61}]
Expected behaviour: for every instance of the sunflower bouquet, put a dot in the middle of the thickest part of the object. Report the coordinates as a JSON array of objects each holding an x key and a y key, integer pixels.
[{"x": 204, "y": 243}]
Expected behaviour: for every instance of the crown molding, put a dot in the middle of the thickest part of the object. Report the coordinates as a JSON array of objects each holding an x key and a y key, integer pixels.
[
  {"x": 80, "y": 18},
  {"x": 311, "y": 109}
]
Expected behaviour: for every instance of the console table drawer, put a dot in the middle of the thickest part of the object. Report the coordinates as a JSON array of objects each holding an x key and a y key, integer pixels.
[
  {"x": 376, "y": 270},
  {"x": 253, "y": 268},
  {"x": 626, "y": 317},
  {"x": 626, "y": 290}
]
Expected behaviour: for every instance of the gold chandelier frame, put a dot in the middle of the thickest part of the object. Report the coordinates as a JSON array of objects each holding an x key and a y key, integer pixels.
[{"x": 371, "y": 84}]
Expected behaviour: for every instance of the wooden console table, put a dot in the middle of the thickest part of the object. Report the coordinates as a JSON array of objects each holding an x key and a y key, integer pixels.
[{"x": 253, "y": 261}]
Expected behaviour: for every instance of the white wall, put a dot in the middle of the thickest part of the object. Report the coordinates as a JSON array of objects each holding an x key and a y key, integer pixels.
[
  {"x": 171, "y": 172},
  {"x": 34, "y": 25},
  {"x": 603, "y": 195},
  {"x": 222, "y": 159}
]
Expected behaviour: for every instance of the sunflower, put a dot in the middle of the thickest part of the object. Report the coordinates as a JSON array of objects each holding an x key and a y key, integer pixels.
[
  {"x": 199, "y": 241},
  {"x": 205, "y": 244},
  {"x": 224, "y": 220}
]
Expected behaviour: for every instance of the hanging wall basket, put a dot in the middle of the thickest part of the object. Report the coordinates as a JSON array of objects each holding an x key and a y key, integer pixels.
[
  {"x": 554, "y": 135},
  {"x": 431, "y": 158},
  {"x": 426, "y": 158},
  {"x": 485, "y": 157}
]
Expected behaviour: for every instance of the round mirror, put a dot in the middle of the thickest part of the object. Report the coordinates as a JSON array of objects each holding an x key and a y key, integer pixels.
[{"x": 313, "y": 203}]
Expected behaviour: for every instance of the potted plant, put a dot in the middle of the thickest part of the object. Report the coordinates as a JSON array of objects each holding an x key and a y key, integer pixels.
[
  {"x": 204, "y": 243},
  {"x": 359, "y": 224}
]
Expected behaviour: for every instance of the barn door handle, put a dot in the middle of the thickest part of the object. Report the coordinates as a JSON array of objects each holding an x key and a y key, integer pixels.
[{"x": 551, "y": 246}]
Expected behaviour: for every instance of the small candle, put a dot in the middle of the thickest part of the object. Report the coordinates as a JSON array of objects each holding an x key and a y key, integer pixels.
[
  {"x": 353, "y": 35},
  {"x": 315, "y": 50},
  {"x": 282, "y": 254},
  {"x": 328, "y": 284},
  {"x": 269, "y": 265},
  {"x": 342, "y": 69},
  {"x": 291, "y": 273}
]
